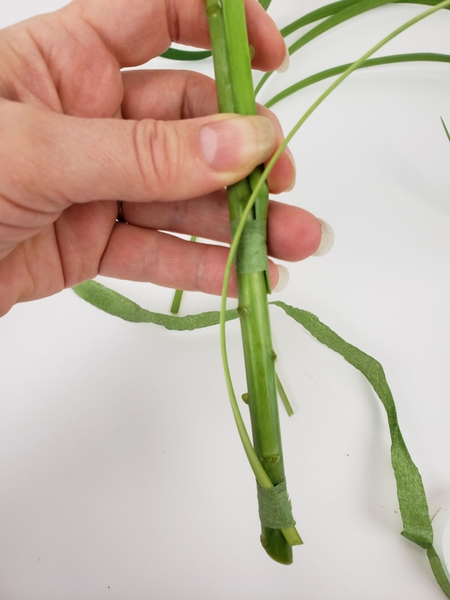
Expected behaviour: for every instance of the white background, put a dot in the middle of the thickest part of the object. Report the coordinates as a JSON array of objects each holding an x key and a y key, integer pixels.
[{"x": 121, "y": 474}]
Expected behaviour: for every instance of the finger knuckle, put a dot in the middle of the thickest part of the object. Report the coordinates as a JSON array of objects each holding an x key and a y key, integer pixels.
[{"x": 157, "y": 151}]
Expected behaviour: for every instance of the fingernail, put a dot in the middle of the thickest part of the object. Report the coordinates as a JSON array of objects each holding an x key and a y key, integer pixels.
[
  {"x": 292, "y": 160},
  {"x": 283, "y": 279},
  {"x": 236, "y": 143},
  {"x": 327, "y": 239},
  {"x": 286, "y": 60}
]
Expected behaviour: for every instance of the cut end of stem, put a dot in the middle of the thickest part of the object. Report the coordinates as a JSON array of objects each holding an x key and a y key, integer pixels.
[{"x": 275, "y": 545}]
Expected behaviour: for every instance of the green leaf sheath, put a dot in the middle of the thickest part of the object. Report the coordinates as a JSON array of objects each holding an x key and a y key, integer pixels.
[
  {"x": 234, "y": 82},
  {"x": 410, "y": 491}
]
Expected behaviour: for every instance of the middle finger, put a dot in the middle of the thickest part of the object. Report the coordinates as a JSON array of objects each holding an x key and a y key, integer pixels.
[{"x": 293, "y": 233}]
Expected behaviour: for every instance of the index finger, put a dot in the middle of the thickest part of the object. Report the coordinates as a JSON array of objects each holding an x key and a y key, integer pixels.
[{"x": 138, "y": 30}]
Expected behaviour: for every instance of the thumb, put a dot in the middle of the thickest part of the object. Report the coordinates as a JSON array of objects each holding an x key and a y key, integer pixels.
[{"x": 53, "y": 160}]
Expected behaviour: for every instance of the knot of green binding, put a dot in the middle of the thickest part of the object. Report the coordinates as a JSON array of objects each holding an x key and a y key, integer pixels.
[
  {"x": 251, "y": 256},
  {"x": 275, "y": 510}
]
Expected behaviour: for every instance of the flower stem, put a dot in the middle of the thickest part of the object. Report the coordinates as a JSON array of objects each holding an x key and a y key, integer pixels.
[{"x": 231, "y": 58}]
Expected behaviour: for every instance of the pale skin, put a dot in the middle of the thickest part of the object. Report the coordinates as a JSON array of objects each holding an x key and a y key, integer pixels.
[{"x": 78, "y": 134}]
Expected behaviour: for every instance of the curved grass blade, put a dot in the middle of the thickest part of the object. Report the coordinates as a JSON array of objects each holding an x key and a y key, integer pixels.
[
  {"x": 334, "y": 8},
  {"x": 445, "y": 129},
  {"x": 348, "y": 12},
  {"x": 371, "y": 62},
  {"x": 317, "y": 15},
  {"x": 337, "y": 13},
  {"x": 176, "y": 54},
  {"x": 410, "y": 491}
]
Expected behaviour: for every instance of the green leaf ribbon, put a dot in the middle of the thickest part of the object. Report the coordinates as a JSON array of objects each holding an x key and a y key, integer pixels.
[
  {"x": 410, "y": 491},
  {"x": 117, "y": 305},
  {"x": 274, "y": 506}
]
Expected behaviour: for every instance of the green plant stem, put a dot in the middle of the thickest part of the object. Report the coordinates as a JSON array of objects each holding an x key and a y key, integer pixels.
[
  {"x": 178, "y": 295},
  {"x": 235, "y": 94},
  {"x": 445, "y": 129},
  {"x": 283, "y": 397},
  {"x": 336, "y": 14},
  {"x": 353, "y": 67},
  {"x": 252, "y": 200}
]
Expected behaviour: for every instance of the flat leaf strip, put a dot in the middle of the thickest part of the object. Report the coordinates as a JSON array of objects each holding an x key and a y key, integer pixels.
[
  {"x": 117, "y": 305},
  {"x": 275, "y": 509},
  {"x": 410, "y": 491},
  {"x": 252, "y": 255},
  {"x": 438, "y": 570}
]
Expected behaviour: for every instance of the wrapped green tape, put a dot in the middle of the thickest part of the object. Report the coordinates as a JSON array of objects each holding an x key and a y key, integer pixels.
[
  {"x": 252, "y": 253},
  {"x": 275, "y": 510}
]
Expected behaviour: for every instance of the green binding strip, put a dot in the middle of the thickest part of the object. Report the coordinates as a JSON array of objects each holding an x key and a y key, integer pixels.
[
  {"x": 119, "y": 306},
  {"x": 275, "y": 510},
  {"x": 410, "y": 491},
  {"x": 252, "y": 253}
]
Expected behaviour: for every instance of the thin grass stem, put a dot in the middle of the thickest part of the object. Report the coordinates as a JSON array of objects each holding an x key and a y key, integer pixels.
[
  {"x": 178, "y": 295},
  {"x": 372, "y": 62}
]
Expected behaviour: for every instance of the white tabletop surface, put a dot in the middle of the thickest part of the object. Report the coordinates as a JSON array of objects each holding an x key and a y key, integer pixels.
[{"x": 121, "y": 473}]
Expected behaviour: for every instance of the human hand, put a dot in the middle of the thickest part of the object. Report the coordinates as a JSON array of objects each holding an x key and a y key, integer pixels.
[{"x": 78, "y": 135}]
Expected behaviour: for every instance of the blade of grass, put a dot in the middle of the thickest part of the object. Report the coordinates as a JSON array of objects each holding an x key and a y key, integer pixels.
[
  {"x": 371, "y": 62},
  {"x": 178, "y": 54},
  {"x": 283, "y": 396},
  {"x": 445, "y": 129},
  {"x": 337, "y": 13},
  {"x": 353, "y": 67},
  {"x": 342, "y": 15}
]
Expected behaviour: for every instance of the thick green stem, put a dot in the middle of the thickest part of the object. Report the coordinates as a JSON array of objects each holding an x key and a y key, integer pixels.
[{"x": 235, "y": 94}]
